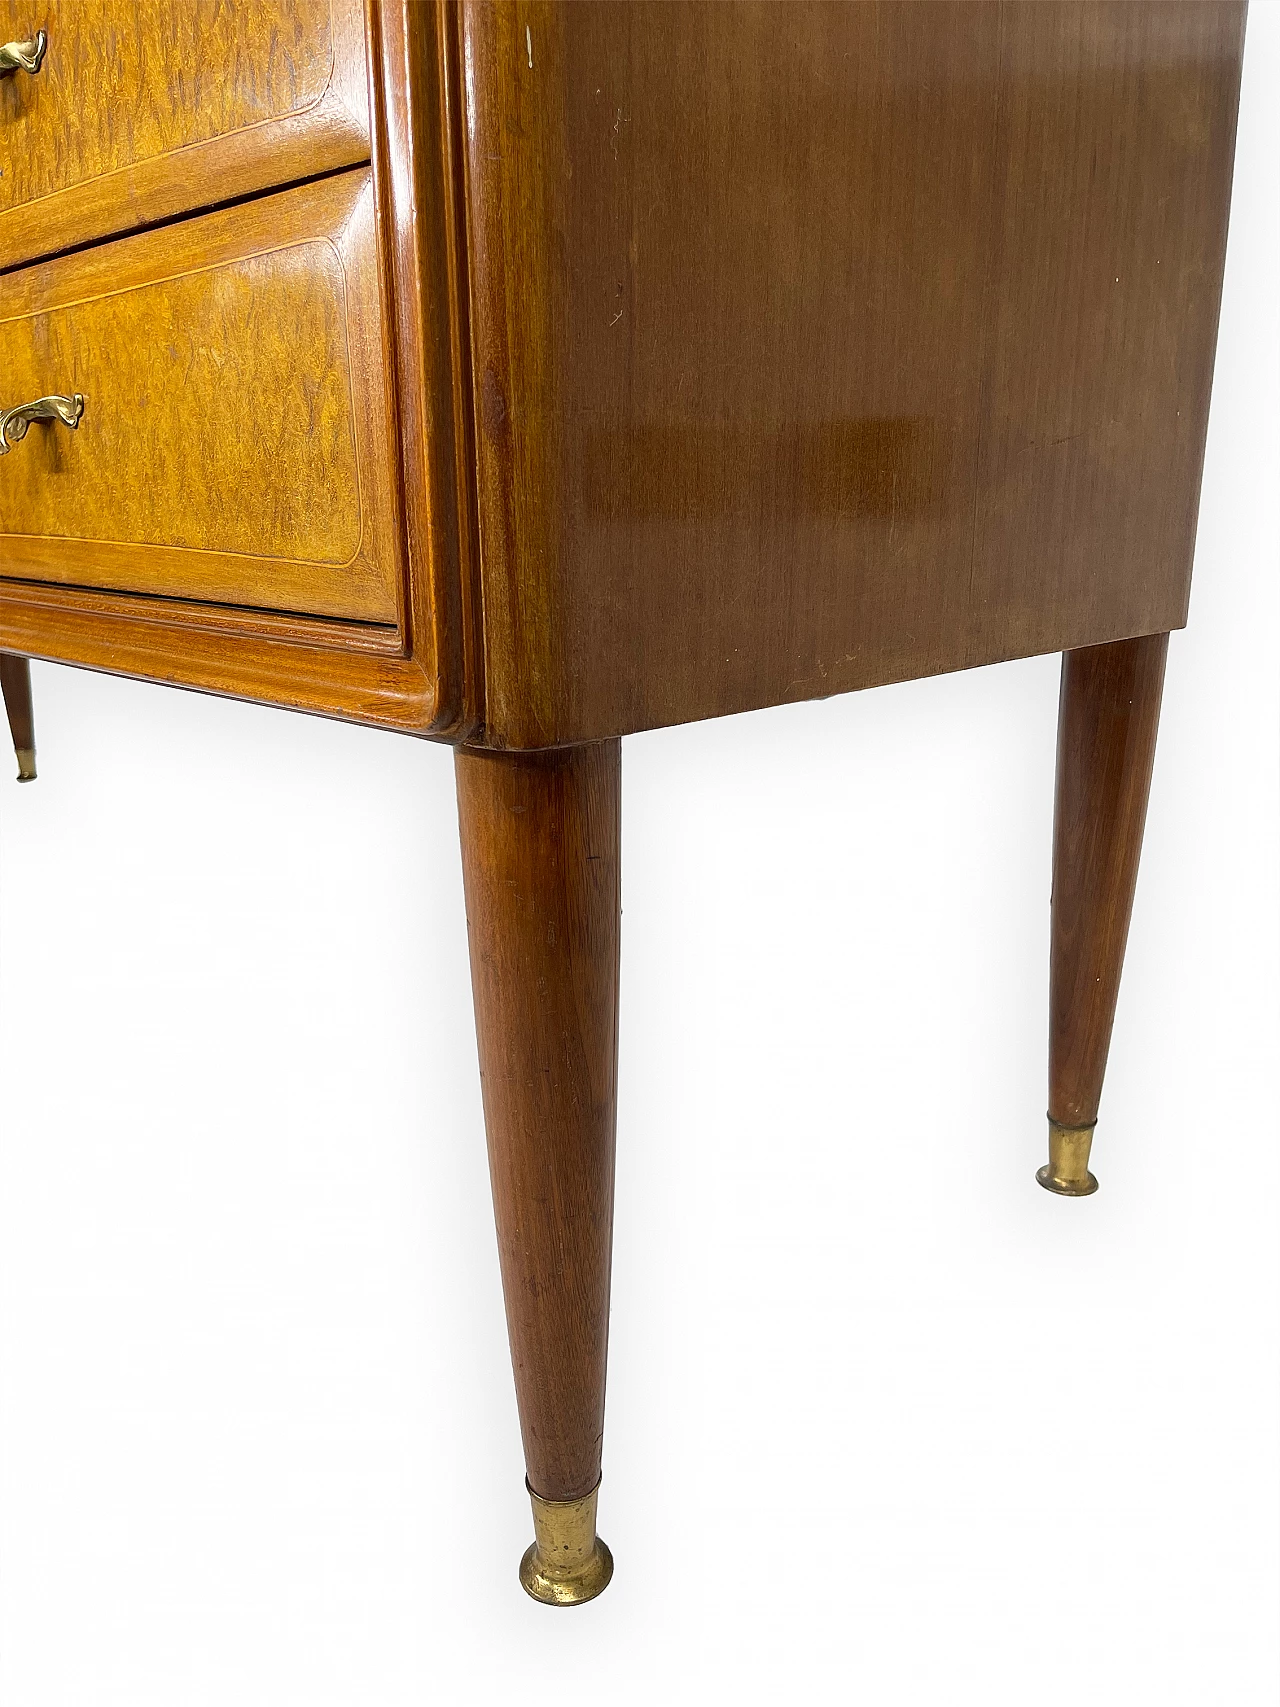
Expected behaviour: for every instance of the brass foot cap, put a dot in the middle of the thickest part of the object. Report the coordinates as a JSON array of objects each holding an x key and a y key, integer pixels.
[
  {"x": 568, "y": 1562},
  {"x": 589, "y": 1580},
  {"x": 1085, "y": 1187},
  {"x": 1067, "y": 1170},
  {"x": 26, "y": 757}
]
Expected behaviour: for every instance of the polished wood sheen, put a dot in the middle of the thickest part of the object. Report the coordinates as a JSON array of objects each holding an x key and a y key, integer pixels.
[
  {"x": 522, "y": 374},
  {"x": 147, "y": 108},
  {"x": 237, "y": 438},
  {"x": 818, "y": 346},
  {"x": 1107, "y": 720},
  {"x": 422, "y": 675},
  {"x": 743, "y": 353},
  {"x": 15, "y": 684},
  {"x": 540, "y": 862}
]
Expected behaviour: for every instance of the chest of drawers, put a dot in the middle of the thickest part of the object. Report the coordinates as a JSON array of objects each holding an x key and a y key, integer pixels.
[{"x": 525, "y": 375}]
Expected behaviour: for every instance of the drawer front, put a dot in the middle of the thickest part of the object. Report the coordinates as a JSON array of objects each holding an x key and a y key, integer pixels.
[
  {"x": 237, "y": 441},
  {"x": 140, "y": 109}
]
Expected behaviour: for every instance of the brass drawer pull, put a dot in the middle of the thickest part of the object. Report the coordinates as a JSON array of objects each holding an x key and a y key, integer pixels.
[
  {"x": 14, "y": 422},
  {"x": 23, "y": 55}
]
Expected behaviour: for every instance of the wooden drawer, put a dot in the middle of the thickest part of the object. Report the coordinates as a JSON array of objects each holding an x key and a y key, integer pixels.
[
  {"x": 147, "y": 108},
  {"x": 237, "y": 442}
]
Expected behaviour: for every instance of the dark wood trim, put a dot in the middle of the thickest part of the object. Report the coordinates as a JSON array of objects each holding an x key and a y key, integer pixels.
[
  {"x": 1107, "y": 721},
  {"x": 540, "y": 861}
]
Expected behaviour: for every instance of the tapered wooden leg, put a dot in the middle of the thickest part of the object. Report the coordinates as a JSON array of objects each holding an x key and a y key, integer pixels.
[
  {"x": 540, "y": 861},
  {"x": 15, "y": 682},
  {"x": 1107, "y": 719}
]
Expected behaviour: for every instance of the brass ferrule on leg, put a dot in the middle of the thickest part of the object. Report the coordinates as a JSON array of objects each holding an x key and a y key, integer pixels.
[
  {"x": 568, "y": 1563},
  {"x": 1067, "y": 1172},
  {"x": 26, "y": 764}
]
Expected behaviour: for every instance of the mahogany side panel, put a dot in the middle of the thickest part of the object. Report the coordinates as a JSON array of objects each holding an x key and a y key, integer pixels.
[
  {"x": 540, "y": 860},
  {"x": 1115, "y": 140},
  {"x": 817, "y": 346},
  {"x": 1107, "y": 721}
]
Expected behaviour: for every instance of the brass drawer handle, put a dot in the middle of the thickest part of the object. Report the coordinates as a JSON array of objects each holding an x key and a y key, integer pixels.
[
  {"x": 14, "y": 422},
  {"x": 23, "y": 55}
]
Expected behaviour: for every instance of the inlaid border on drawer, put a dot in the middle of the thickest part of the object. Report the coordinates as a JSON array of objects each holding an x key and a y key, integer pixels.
[
  {"x": 425, "y": 674},
  {"x": 329, "y": 129},
  {"x": 243, "y": 352}
]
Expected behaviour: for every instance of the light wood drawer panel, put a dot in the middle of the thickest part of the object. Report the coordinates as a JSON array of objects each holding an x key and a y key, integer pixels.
[
  {"x": 146, "y": 108},
  {"x": 236, "y": 443}
]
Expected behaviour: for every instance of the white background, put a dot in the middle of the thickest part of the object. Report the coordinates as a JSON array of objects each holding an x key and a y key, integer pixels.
[{"x": 886, "y": 1422}]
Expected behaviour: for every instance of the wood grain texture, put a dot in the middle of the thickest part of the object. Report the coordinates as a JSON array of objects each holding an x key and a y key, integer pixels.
[
  {"x": 420, "y": 675},
  {"x": 183, "y": 383},
  {"x": 236, "y": 443},
  {"x": 329, "y": 669},
  {"x": 1107, "y": 721},
  {"x": 817, "y": 346},
  {"x": 15, "y": 685},
  {"x": 540, "y": 860},
  {"x": 788, "y": 349},
  {"x": 157, "y": 107},
  {"x": 1115, "y": 141}
]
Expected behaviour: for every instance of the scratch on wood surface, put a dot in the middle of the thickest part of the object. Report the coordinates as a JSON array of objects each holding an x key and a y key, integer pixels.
[{"x": 528, "y": 42}]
